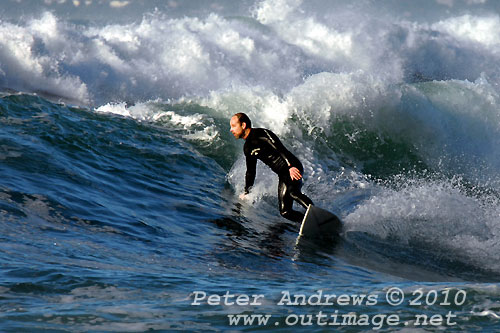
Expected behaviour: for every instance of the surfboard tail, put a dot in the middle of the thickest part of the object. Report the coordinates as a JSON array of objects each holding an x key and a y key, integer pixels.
[{"x": 319, "y": 222}]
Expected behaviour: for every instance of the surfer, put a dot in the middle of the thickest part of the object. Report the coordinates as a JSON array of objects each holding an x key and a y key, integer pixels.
[{"x": 264, "y": 145}]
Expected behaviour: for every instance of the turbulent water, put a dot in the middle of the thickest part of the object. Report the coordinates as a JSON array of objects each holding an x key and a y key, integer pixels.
[{"x": 119, "y": 184}]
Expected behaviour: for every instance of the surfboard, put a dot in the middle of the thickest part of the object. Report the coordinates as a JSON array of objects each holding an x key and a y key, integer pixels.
[{"x": 319, "y": 223}]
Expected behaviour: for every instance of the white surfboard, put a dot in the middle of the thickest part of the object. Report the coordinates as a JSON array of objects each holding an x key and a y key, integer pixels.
[{"x": 318, "y": 223}]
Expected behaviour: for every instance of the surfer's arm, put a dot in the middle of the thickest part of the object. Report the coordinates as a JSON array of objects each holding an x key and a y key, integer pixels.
[
  {"x": 272, "y": 140},
  {"x": 250, "y": 174}
]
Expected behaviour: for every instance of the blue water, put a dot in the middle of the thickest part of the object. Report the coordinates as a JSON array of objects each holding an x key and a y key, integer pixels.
[{"x": 119, "y": 185}]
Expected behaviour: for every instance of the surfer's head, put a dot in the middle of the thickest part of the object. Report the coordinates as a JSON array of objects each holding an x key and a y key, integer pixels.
[{"x": 240, "y": 125}]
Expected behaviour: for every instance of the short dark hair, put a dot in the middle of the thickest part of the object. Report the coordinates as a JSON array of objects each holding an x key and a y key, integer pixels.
[{"x": 243, "y": 118}]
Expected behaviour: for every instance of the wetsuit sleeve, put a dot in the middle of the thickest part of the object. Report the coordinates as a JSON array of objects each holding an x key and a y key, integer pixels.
[
  {"x": 276, "y": 144},
  {"x": 250, "y": 175}
]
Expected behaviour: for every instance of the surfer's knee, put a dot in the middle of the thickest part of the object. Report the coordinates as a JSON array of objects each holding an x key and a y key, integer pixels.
[
  {"x": 292, "y": 215},
  {"x": 284, "y": 212},
  {"x": 302, "y": 199}
]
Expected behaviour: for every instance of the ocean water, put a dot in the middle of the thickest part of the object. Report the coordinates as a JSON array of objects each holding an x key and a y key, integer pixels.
[{"x": 119, "y": 185}]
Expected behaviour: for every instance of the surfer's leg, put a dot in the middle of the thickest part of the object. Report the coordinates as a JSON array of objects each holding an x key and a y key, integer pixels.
[
  {"x": 286, "y": 203},
  {"x": 297, "y": 195}
]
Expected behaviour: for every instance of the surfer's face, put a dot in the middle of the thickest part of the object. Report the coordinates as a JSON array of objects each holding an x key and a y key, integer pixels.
[{"x": 237, "y": 128}]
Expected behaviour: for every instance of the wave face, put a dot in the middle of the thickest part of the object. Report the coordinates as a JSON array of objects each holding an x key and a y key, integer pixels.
[{"x": 116, "y": 155}]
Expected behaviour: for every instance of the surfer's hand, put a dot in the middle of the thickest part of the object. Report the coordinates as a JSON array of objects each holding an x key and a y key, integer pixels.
[
  {"x": 295, "y": 173},
  {"x": 243, "y": 196}
]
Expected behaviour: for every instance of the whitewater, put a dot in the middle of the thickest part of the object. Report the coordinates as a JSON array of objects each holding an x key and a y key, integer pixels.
[{"x": 120, "y": 178}]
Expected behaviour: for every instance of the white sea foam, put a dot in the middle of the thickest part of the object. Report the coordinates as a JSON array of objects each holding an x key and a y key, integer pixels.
[
  {"x": 30, "y": 58},
  {"x": 196, "y": 126},
  {"x": 276, "y": 50},
  {"x": 484, "y": 31},
  {"x": 438, "y": 214}
]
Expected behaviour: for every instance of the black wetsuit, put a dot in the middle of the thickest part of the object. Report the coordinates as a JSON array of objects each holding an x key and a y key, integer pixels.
[{"x": 264, "y": 145}]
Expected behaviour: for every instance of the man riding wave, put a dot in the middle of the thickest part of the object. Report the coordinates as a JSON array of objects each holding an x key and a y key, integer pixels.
[{"x": 264, "y": 145}]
